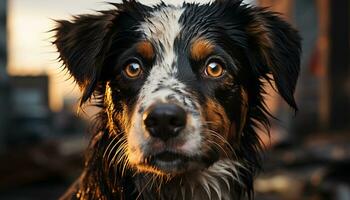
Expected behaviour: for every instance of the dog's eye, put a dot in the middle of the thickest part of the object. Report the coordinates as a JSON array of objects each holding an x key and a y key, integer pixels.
[
  {"x": 214, "y": 70},
  {"x": 133, "y": 70}
]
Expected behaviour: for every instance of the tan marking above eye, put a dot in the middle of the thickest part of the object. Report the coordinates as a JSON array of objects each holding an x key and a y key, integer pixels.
[
  {"x": 201, "y": 49},
  {"x": 145, "y": 48},
  {"x": 133, "y": 70},
  {"x": 214, "y": 69}
]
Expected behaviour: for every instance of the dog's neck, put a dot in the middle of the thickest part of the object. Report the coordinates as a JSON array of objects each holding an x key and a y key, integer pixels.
[{"x": 218, "y": 182}]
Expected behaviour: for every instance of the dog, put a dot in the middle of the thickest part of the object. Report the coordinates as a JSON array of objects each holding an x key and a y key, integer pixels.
[{"x": 181, "y": 94}]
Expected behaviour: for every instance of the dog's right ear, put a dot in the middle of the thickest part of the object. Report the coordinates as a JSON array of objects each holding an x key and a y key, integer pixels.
[{"x": 81, "y": 44}]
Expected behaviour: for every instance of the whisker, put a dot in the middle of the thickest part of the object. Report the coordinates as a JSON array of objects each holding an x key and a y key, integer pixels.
[
  {"x": 119, "y": 151},
  {"x": 121, "y": 140},
  {"x": 111, "y": 150},
  {"x": 108, "y": 147},
  {"x": 140, "y": 193},
  {"x": 222, "y": 139},
  {"x": 220, "y": 147}
]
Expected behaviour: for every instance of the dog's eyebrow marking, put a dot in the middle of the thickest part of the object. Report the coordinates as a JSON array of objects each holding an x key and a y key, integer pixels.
[
  {"x": 201, "y": 48},
  {"x": 145, "y": 48}
]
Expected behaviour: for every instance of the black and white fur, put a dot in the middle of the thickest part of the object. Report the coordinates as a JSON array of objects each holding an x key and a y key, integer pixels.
[{"x": 219, "y": 147}]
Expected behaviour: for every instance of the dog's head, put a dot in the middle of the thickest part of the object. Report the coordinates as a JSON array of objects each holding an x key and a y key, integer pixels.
[{"x": 182, "y": 87}]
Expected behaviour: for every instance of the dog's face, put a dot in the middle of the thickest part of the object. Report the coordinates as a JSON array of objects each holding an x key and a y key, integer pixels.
[{"x": 179, "y": 84}]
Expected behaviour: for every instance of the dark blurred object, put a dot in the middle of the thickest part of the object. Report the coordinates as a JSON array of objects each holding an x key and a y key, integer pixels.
[
  {"x": 41, "y": 170},
  {"x": 339, "y": 72},
  {"x": 30, "y": 112},
  {"x": 4, "y": 88},
  {"x": 66, "y": 121},
  {"x": 41, "y": 147},
  {"x": 30, "y": 117},
  {"x": 317, "y": 169}
]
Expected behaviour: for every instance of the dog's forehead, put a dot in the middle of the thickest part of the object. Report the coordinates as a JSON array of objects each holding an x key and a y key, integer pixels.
[{"x": 162, "y": 27}]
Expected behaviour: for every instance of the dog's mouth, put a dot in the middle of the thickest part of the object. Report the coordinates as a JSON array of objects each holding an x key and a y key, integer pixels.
[
  {"x": 169, "y": 157},
  {"x": 169, "y": 162}
]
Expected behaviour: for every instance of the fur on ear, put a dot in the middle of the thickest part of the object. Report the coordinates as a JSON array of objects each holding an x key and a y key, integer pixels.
[
  {"x": 278, "y": 50},
  {"x": 81, "y": 44}
]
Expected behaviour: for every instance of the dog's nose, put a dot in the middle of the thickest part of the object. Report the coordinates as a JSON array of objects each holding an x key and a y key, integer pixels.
[{"x": 165, "y": 121}]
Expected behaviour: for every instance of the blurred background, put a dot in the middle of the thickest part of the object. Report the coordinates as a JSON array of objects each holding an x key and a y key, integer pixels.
[{"x": 43, "y": 138}]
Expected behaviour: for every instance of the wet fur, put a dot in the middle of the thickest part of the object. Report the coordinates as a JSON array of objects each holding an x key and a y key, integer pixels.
[{"x": 257, "y": 44}]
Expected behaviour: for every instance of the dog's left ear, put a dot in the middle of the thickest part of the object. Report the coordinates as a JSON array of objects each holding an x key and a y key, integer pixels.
[
  {"x": 81, "y": 43},
  {"x": 277, "y": 48}
]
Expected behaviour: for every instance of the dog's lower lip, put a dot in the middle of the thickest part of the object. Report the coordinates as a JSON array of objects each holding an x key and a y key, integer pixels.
[{"x": 169, "y": 156}]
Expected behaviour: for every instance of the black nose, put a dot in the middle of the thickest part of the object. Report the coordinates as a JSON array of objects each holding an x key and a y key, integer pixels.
[{"x": 165, "y": 121}]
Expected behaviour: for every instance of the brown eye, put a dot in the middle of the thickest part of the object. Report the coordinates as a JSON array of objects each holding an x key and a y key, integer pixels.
[
  {"x": 214, "y": 70},
  {"x": 133, "y": 70}
]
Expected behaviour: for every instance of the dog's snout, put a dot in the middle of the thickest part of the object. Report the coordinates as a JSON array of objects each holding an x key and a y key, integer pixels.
[{"x": 165, "y": 121}]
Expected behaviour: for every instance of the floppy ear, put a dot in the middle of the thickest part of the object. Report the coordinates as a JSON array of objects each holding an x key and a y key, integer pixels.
[
  {"x": 81, "y": 44},
  {"x": 277, "y": 47}
]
